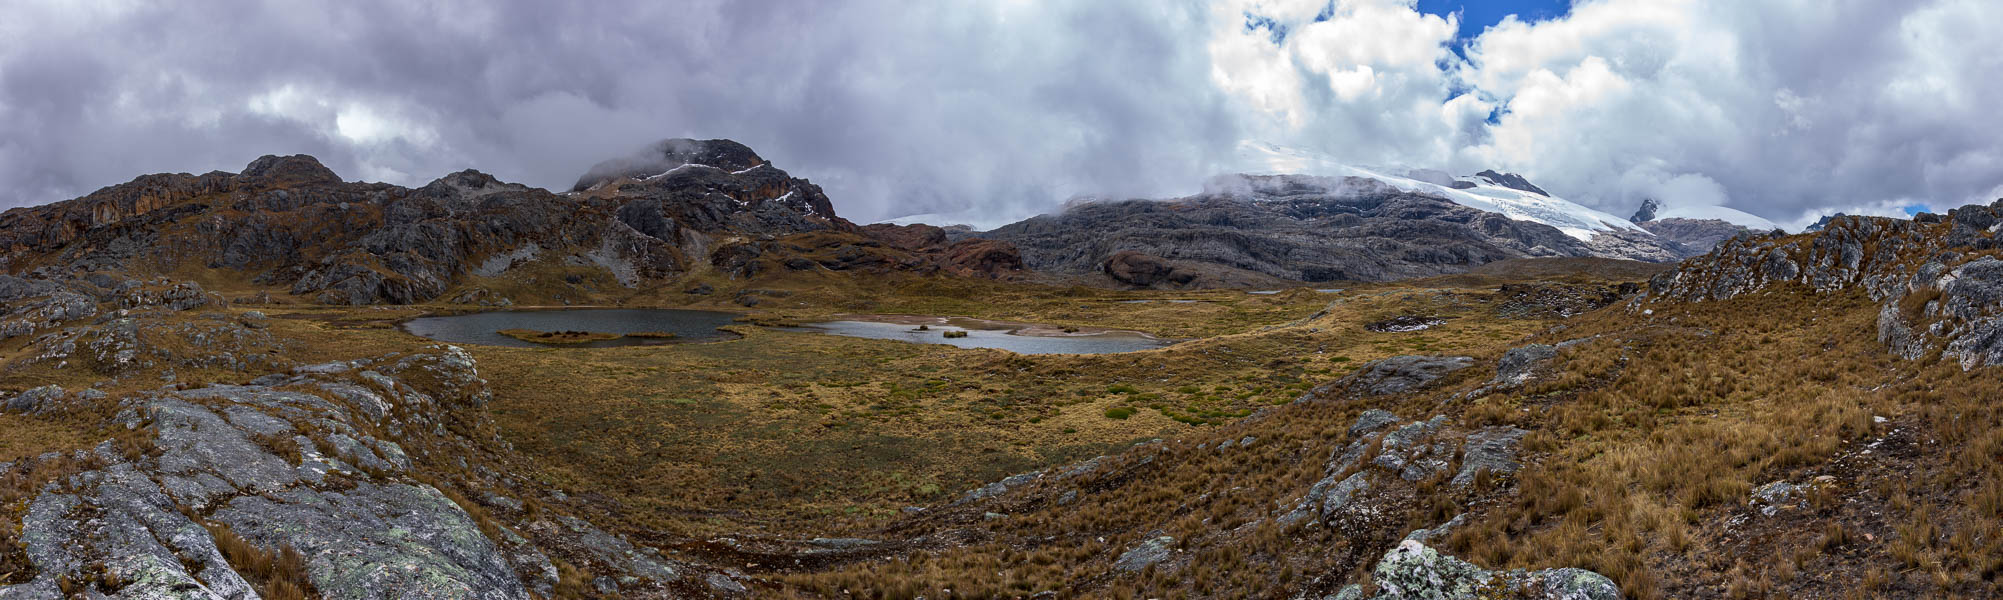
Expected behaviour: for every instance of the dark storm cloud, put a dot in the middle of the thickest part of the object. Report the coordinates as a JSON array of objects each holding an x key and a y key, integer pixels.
[{"x": 896, "y": 108}]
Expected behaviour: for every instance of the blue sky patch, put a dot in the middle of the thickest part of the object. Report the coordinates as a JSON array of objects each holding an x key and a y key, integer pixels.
[
  {"x": 1477, "y": 15},
  {"x": 1274, "y": 29}
]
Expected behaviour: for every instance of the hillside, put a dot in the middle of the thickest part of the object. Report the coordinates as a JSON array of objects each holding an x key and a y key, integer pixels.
[
  {"x": 1735, "y": 432},
  {"x": 289, "y": 225},
  {"x": 1252, "y": 229},
  {"x": 1804, "y": 416}
]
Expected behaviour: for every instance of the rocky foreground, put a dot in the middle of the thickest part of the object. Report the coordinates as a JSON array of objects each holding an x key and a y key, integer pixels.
[{"x": 348, "y": 479}]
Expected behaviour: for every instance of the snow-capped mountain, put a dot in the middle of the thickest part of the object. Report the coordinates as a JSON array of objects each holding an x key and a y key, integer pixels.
[
  {"x": 1502, "y": 193},
  {"x": 973, "y": 219},
  {"x": 1716, "y": 213}
]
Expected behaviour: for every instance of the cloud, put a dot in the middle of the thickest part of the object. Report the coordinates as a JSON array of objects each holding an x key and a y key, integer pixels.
[
  {"x": 998, "y": 109},
  {"x": 1785, "y": 109},
  {"x": 990, "y": 106}
]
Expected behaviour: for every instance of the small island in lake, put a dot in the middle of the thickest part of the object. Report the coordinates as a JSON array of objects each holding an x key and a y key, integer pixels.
[{"x": 563, "y": 337}]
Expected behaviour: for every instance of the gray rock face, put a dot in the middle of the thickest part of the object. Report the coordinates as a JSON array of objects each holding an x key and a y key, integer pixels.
[
  {"x": 34, "y": 400},
  {"x": 1646, "y": 212},
  {"x": 1492, "y": 449},
  {"x": 1413, "y": 571},
  {"x": 1250, "y": 229},
  {"x": 1511, "y": 181},
  {"x": 1776, "y": 496},
  {"x": 1695, "y": 236},
  {"x": 609, "y": 549},
  {"x": 1372, "y": 420},
  {"x": 1519, "y": 363},
  {"x": 284, "y": 468},
  {"x": 1415, "y": 451},
  {"x": 363, "y": 538},
  {"x": 1395, "y": 375},
  {"x": 999, "y": 488},
  {"x": 1149, "y": 552},
  {"x": 387, "y": 540},
  {"x": 1408, "y": 452}
]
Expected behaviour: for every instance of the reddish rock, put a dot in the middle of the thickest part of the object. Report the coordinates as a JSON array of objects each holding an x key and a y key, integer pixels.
[
  {"x": 993, "y": 259},
  {"x": 913, "y": 238},
  {"x": 1137, "y": 269}
]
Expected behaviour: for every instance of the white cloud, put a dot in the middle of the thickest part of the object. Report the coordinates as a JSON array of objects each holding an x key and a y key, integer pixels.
[{"x": 1781, "y": 108}]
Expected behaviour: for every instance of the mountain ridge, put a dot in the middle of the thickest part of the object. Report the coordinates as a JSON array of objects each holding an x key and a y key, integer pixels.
[{"x": 291, "y": 222}]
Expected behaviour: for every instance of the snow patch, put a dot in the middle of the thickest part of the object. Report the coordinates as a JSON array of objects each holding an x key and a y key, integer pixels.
[
  {"x": 977, "y": 221},
  {"x": 678, "y": 169},
  {"x": 1574, "y": 219},
  {"x": 1716, "y": 213}
]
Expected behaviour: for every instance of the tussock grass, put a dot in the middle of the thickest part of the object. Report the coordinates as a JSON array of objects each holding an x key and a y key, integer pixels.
[{"x": 278, "y": 574}]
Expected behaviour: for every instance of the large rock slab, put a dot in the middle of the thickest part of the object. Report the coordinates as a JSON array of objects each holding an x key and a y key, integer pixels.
[
  {"x": 1413, "y": 571},
  {"x": 1395, "y": 375}
]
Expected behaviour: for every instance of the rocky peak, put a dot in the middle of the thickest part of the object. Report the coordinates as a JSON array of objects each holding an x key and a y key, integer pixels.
[
  {"x": 1824, "y": 222},
  {"x": 298, "y": 169},
  {"x": 667, "y": 154},
  {"x": 1512, "y": 181},
  {"x": 1695, "y": 236},
  {"x": 467, "y": 184},
  {"x": 1646, "y": 212}
]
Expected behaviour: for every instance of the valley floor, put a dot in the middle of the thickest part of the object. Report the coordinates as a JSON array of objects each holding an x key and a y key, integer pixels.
[{"x": 1640, "y": 446}]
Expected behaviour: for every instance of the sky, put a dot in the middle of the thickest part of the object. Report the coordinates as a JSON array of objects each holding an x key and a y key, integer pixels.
[
  {"x": 1477, "y": 16},
  {"x": 987, "y": 111}
]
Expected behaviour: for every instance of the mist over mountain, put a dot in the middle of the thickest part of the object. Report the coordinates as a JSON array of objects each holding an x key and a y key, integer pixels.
[{"x": 1001, "y": 110}]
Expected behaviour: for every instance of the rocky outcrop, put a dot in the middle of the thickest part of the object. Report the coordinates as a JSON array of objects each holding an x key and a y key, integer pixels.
[
  {"x": 1414, "y": 571},
  {"x": 1695, "y": 236},
  {"x": 73, "y": 330},
  {"x": 1142, "y": 270},
  {"x": 1519, "y": 363},
  {"x": 1937, "y": 288},
  {"x": 1511, "y": 181},
  {"x": 1490, "y": 450},
  {"x": 359, "y": 472},
  {"x": 1557, "y": 300},
  {"x": 1146, "y": 554},
  {"x": 1412, "y": 452},
  {"x": 344, "y": 500},
  {"x": 1646, "y": 212},
  {"x": 990, "y": 259},
  {"x": 1823, "y": 222},
  {"x": 1291, "y": 228},
  {"x": 934, "y": 249},
  {"x": 1395, "y": 375}
]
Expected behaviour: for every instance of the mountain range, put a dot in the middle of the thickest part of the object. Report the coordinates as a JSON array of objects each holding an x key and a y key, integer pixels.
[
  {"x": 684, "y": 206},
  {"x": 212, "y": 388}
]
